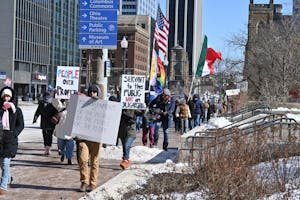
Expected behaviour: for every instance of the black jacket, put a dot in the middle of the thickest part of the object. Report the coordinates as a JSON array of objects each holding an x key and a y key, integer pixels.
[
  {"x": 9, "y": 138},
  {"x": 46, "y": 111}
]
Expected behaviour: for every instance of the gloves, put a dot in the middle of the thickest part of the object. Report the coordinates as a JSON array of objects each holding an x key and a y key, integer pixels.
[
  {"x": 34, "y": 120},
  {"x": 6, "y": 106},
  {"x": 95, "y": 97}
]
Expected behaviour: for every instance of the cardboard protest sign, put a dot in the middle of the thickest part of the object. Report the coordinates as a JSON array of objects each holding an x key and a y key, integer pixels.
[
  {"x": 93, "y": 119},
  {"x": 60, "y": 127},
  {"x": 67, "y": 81},
  {"x": 133, "y": 91}
]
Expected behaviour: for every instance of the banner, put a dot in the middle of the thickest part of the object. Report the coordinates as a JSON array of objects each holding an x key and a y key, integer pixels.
[
  {"x": 91, "y": 119},
  {"x": 67, "y": 81},
  {"x": 133, "y": 91}
]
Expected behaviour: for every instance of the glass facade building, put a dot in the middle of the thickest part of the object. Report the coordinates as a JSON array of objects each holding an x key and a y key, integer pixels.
[
  {"x": 25, "y": 44},
  {"x": 36, "y": 37},
  {"x": 64, "y": 36},
  {"x": 185, "y": 18},
  {"x": 138, "y": 7}
]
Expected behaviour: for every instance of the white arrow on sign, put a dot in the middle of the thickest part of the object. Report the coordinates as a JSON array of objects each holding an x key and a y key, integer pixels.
[
  {"x": 84, "y": 15},
  {"x": 84, "y": 27},
  {"x": 84, "y": 39},
  {"x": 84, "y": 3}
]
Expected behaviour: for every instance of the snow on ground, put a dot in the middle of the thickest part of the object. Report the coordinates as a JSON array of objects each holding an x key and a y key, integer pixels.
[
  {"x": 287, "y": 168},
  {"x": 160, "y": 161}
]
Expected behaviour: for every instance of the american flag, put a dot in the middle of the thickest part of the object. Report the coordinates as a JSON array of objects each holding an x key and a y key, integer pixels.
[{"x": 161, "y": 31}]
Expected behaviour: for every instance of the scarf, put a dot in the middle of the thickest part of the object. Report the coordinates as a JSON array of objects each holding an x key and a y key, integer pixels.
[{"x": 5, "y": 117}]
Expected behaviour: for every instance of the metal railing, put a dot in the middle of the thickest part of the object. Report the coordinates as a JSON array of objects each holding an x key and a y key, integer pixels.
[{"x": 276, "y": 127}]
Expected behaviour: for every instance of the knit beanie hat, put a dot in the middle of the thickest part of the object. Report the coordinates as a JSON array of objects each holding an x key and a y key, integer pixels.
[{"x": 6, "y": 92}]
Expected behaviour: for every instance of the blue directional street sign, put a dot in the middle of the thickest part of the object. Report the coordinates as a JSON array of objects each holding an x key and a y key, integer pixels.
[
  {"x": 98, "y": 4},
  {"x": 98, "y": 25},
  {"x": 97, "y": 15}
]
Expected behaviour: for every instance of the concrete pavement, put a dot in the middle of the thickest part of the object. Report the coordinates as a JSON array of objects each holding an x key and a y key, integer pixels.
[{"x": 39, "y": 177}]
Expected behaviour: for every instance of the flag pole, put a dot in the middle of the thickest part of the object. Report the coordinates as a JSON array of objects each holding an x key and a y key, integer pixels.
[{"x": 195, "y": 70}]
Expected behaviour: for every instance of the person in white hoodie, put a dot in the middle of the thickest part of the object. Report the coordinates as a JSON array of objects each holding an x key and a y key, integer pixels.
[{"x": 65, "y": 142}]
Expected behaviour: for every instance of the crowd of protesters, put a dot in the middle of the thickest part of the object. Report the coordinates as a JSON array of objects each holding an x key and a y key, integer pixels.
[{"x": 161, "y": 111}]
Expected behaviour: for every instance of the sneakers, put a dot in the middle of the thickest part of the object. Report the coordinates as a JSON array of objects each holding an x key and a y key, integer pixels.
[
  {"x": 2, "y": 191},
  {"x": 62, "y": 158},
  {"x": 125, "y": 163},
  {"x": 69, "y": 162},
  {"x": 83, "y": 187}
]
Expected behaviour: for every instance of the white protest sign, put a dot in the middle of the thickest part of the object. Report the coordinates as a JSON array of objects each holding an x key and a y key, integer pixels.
[
  {"x": 60, "y": 127},
  {"x": 93, "y": 119},
  {"x": 67, "y": 81},
  {"x": 133, "y": 91}
]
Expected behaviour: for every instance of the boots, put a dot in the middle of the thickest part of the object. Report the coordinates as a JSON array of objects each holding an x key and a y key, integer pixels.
[{"x": 125, "y": 163}]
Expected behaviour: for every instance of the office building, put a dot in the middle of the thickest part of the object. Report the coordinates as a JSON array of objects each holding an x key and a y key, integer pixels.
[
  {"x": 35, "y": 38},
  {"x": 25, "y": 44},
  {"x": 138, "y": 7},
  {"x": 64, "y": 36},
  {"x": 185, "y": 18}
]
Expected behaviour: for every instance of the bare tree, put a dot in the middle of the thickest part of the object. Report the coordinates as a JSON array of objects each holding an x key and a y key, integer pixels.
[{"x": 274, "y": 59}]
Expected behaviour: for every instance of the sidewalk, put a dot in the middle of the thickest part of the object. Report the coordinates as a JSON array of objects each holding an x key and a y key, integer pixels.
[{"x": 40, "y": 177}]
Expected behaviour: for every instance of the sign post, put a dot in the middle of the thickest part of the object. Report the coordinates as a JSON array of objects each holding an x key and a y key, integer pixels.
[{"x": 98, "y": 24}]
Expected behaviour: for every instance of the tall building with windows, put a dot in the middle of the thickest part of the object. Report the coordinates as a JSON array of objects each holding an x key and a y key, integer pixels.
[
  {"x": 25, "y": 44},
  {"x": 185, "y": 18},
  {"x": 38, "y": 36},
  {"x": 64, "y": 36},
  {"x": 138, "y": 7}
]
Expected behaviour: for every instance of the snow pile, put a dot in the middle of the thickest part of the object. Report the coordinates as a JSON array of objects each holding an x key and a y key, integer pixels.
[{"x": 219, "y": 122}]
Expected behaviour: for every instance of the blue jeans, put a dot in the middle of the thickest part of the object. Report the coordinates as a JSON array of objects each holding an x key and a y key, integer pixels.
[
  {"x": 66, "y": 147},
  {"x": 198, "y": 119},
  {"x": 191, "y": 123},
  {"x": 165, "y": 126},
  {"x": 126, "y": 144},
  {"x": 184, "y": 125},
  {"x": 6, "y": 177}
]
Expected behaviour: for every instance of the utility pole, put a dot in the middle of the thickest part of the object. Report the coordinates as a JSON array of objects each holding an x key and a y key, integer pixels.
[{"x": 100, "y": 80}]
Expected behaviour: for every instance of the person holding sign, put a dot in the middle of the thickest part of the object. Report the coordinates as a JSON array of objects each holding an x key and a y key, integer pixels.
[
  {"x": 127, "y": 133},
  {"x": 164, "y": 106},
  {"x": 86, "y": 150}
]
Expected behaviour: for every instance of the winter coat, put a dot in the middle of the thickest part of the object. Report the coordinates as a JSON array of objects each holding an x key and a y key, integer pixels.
[
  {"x": 166, "y": 108},
  {"x": 46, "y": 110},
  {"x": 199, "y": 107},
  {"x": 9, "y": 138},
  {"x": 127, "y": 126},
  {"x": 192, "y": 106},
  {"x": 184, "y": 111}
]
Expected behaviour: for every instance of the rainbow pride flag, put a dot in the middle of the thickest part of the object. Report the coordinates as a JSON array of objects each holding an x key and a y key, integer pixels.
[
  {"x": 161, "y": 74},
  {"x": 153, "y": 69}
]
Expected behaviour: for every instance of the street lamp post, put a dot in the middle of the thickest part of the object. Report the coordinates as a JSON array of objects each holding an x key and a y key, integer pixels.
[{"x": 124, "y": 46}]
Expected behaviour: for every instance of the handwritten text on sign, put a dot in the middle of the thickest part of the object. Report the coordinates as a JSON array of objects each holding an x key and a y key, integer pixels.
[
  {"x": 90, "y": 119},
  {"x": 67, "y": 81},
  {"x": 133, "y": 91}
]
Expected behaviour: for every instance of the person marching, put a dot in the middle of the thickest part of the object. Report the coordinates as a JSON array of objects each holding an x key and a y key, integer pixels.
[
  {"x": 12, "y": 126},
  {"x": 46, "y": 124},
  {"x": 166, "y": 105},
  {"x": 183, "y": 112},
  {"x": 89, "y": 150}
]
